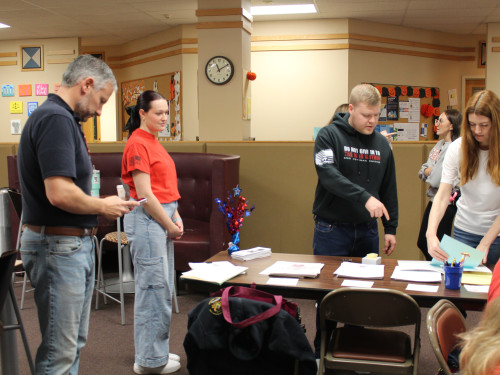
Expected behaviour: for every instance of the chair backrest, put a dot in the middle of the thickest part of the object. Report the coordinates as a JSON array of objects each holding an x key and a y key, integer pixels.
[
  {"x": 373, "y": 307},
  {"x": 444, "y": 323}
]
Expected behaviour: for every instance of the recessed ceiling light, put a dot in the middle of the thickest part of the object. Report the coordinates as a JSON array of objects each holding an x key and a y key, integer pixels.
[
  {"x": 4, "y": 26},
  {"x": 282, "y": 9}
]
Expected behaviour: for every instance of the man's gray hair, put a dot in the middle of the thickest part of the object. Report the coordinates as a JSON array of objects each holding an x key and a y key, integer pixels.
[
  {"x": 89, "y": 66},
  {"x": 365, "y": 93}
]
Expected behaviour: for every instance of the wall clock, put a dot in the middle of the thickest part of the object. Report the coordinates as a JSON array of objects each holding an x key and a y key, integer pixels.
[{"x": 219, "y": 70}]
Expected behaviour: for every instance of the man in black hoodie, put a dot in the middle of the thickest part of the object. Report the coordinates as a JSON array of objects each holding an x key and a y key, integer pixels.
[
  {"x": 356, "y": 181},
  {"x": 356, "y": 184}
]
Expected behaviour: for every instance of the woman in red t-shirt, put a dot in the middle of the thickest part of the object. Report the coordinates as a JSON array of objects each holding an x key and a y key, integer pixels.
[{"x": 150, "y": 173}]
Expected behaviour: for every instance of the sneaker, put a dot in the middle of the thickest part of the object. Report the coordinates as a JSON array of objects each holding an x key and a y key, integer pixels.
[
  {"x": 171, "y": 366},
  {"x": 173, "y": 357}
]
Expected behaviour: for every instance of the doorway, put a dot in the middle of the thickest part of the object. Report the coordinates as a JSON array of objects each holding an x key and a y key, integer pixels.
[{"x": 473, "y": 85}]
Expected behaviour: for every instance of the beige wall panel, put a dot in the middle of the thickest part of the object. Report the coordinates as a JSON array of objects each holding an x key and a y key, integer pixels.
[
  {"x": 296, "y": 91},
  {"x": 6, "y": 149},
  {"x": 280, "y": 180}
]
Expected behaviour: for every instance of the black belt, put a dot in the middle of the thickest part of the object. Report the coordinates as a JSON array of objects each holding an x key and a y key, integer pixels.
[{"x": 62, "y": 231}]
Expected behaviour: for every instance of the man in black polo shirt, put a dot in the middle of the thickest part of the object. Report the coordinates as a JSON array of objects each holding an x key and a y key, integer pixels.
[{"x": 59, "y": 215}]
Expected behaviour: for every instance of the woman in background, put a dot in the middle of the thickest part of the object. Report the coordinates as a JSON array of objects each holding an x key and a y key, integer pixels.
[
  {"x": 474, "y": 159},
  {"x": 448, "y": 129},
  {"x": 150, "y": 172},
  {"x": 481, "y": 346}
]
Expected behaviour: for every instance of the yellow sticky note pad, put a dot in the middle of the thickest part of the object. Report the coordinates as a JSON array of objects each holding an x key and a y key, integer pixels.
[
  {"x": 476, "y": 278},
  {"x": 16, "y": 107},
  {"x": 372, "y": 256}
]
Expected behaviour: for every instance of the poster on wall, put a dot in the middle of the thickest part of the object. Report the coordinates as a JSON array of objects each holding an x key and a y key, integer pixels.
[
  {"x": 16, "y": 107},
  {"x": 392, "y": 108},
  {"x": 42, "y": 89},
  {"x": 31, "y": 107},
  {"x": 168, "y": 85},
  {"x": 407, "y": 131},
  {"x": 7, "y": 90},
  {"x": 25, "y": 90}
]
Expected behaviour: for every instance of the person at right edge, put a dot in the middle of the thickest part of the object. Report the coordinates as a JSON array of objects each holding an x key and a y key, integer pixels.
[
  {"x": 356, "y": 184},
  {"x": 474, "y": 158},
  {"x": 448, "y": 129}
]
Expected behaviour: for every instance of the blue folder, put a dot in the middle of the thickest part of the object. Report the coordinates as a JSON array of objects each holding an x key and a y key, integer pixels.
[{"x": 455, "y": 248}]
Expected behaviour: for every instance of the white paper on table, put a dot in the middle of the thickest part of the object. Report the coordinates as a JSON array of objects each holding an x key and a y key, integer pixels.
[
  {"x": 477, "y": 288},
  {"x": 360, "y": 271},
  {"x": 416, "y": 265},
  {"x": 480, "y": 268},
  {"x": 423, "y": 288},
  {"x": 418, "y": 276},
  {"x": 357, "y": 283},
  {"x": 285, "y": 281}
]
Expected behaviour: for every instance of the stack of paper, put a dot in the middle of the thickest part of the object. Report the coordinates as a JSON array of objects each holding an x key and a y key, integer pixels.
[
  {"x": 293, "y": 269},
  {"x": 253, "y": 253},
  {"x": 360, "y": 271},
  {"x": 416, "y": 275},
  {"x": 215, "y": 272}
]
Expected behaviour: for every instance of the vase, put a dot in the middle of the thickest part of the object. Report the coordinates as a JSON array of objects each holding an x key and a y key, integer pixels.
[{"x": 233, "y": 245}]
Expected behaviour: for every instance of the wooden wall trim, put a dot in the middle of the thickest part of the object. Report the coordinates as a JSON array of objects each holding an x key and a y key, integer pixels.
[
  {"x": 360, "y": 47},
  {"x": 301, "y": 47},
  {"x": 495, "y": 49},
  {"x": 495, "y": 39},
  {"x": 8, "y": 54},
  {"x": 366, "y": 38},
  {"x": 65, "y": 60},
  {"x": 179, "y": 51},
  {"x": 7, "y": 63},
  {"x": 157, "y": 48},
  {"x": 224, "y": 12},
  {"x": 61, "y": 52},
  {"x": 219, "y": 12},
  {"x": 363, "y": 47}
]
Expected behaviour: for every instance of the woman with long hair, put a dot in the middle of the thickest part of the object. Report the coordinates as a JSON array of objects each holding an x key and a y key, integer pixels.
[
  {"x": 448, "y": 129},
  {"x": 150, "y": 173},
  {"x": 480, "y": 353},
  {"x": 475, "y": 159}
]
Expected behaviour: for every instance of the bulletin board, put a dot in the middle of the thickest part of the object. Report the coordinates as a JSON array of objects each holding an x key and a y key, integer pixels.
[
  {"x": 169, "y": 85},
  {"x": 410, "y": 111}
]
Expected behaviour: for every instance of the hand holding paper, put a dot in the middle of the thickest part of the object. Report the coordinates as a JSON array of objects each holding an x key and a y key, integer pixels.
[{"x": 455, "y": 248}]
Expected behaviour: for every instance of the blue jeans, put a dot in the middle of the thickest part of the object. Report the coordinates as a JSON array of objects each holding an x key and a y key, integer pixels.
[
  {"x": 345, "y": 239},
  {"x": 342, "y": 239},
  {"x": 153, "y": 258},
  {"x": 474, "y": 239},
  {"x": 61, "y": 269}
]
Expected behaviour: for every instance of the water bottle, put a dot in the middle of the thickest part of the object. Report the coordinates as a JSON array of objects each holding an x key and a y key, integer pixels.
[{"x": 96, "y": 182}]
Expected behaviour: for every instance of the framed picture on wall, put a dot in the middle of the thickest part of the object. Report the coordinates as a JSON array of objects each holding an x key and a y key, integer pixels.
[
  {"x": 481, "y": 56},
  {"x": 31, "y": 58}
]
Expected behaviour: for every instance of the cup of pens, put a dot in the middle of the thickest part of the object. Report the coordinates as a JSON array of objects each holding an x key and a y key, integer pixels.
[{"x": 453, "y": 273}]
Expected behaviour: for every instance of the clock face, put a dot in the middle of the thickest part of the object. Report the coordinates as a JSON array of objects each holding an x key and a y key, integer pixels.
[{"x": 219, "y": 70}]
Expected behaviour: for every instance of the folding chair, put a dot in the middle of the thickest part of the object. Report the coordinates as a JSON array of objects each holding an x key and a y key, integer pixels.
[
  {"x": 444, "y": 323},
  {"x": 365, "y": 343}
]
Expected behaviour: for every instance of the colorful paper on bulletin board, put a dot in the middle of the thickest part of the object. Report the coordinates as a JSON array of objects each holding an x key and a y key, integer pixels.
[
  {"x": 24, "y": 90},
  {"x": 31, "y": 107},
  {"x": 131, "y": 91},
  {"x": 42, "y": 89},
  {"x": 16, "y": 107},
  {"x": 383, "y": 113},
  {"x": 7, "y": 90},
  {"x": 392, "y": 108}
]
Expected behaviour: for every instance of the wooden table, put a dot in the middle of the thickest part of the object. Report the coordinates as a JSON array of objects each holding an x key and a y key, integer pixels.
[{"x": 319, "y": 287}]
